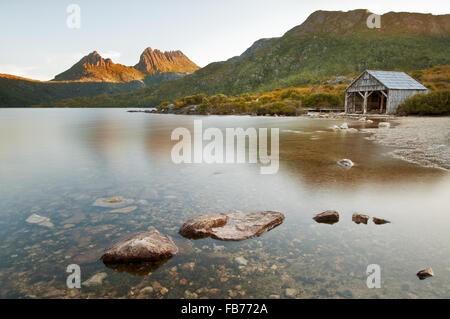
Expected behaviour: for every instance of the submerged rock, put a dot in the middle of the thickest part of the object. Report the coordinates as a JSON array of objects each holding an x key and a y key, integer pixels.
[
  {"x": 39, "y": 220},
  {"x": 384, "y": 125},
  {"x": 146, "y": 246},
  {"x": 291, "y": 292},
  {"x": 95, "y": 280},
  {"x": 241, "y": 261},
  {"x": 425, "y": 273},
  {"x": 112, "y": 202},
  {"x": 360, "y": 218},
  {"x": 327, "y": 217},
  {"x": 380, "y": 221},
  {"x": 124, "y": 210},
  {"x": 232, "y": 226},
  {"x": 345, "y": 163}
]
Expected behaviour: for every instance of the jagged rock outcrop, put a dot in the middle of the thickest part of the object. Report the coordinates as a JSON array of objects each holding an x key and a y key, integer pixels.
[{"x": 156, "y": 61}]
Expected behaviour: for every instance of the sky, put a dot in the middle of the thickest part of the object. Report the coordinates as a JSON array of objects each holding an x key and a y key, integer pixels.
[{"x": 37, "y": 42}]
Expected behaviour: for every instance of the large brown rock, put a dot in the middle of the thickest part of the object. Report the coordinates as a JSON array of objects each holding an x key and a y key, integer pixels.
[
  {"x": 146, "y": 246},
  {"x": 232, "y": 226},
  {"x": 327, "y": 217},
  {"x": 201, "y": 226}
]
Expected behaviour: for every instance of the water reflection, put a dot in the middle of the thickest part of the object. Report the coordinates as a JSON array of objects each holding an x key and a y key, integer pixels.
[{"x": 57, "y": 163}]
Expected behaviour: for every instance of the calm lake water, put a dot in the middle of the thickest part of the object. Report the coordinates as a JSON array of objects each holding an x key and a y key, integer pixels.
[{"x": 57, "y": 162}]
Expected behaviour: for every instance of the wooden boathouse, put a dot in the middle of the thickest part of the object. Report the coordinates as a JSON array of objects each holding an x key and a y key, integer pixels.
[{"x": 380, "y": 92}]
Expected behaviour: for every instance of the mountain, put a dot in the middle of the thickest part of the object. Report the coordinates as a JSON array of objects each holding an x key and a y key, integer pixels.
[
  {"x": 93, "y": 75},
  {"x": 94, "y": 68},
  {"x": 326, "y": 44},
  {"x": 152, "y": 62}
]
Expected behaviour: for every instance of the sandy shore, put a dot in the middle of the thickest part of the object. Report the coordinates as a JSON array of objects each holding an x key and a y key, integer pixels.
[{"x": 421, "y": 140}]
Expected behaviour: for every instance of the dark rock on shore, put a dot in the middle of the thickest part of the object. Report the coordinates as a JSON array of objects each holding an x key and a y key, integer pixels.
[
  {"x": 148, "y": 246},
  {"x": 425, "y": 273},
  {"x": 327, "y": 217},
  {"x": 232, "y": 226},
  {"x": 360, "y": 218},
  {"x": 380, "y": 221}
]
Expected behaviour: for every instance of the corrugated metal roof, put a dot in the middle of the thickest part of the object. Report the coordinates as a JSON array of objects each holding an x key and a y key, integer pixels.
[{"x": 396, "y": 80}]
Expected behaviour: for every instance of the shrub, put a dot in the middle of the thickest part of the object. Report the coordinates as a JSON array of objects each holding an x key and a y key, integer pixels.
[{"x": 434, "y": 103}]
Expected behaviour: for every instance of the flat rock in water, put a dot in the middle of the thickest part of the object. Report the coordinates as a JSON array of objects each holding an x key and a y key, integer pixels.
[
  {"x": 124, "y": 210},
  {"x": 112, "y": 202},
  {"x": 380, "y": 221},
  {"x": 146, "y": 246},
  {"x": 39, "y": 220},
  {"x": 360, "y": 218},
  {"x": 327, "y": 217},
  {"x": 232, "y": 226},
  {"x": 201, "y": 226},
  {"x": 384, "y": 125},
  {"x": 425, "y": 273}
]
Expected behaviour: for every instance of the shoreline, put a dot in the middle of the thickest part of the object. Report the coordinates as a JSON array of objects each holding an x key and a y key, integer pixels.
[{"x": 420, "y": 140}]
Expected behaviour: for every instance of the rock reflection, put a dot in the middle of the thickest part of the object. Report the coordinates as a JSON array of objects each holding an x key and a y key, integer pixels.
[{"x": 137, "y": 268}]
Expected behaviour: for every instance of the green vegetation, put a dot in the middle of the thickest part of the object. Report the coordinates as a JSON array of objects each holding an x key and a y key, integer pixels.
[
  {"x": 287, "y": 102},
  {"x": 434, "y": 103}
]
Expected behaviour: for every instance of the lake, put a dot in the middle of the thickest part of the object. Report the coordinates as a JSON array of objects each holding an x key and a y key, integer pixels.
[{"x": 57, "y": 162}]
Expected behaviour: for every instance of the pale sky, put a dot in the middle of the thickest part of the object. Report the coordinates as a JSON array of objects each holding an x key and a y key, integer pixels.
[{"x": 37, "y": 43}]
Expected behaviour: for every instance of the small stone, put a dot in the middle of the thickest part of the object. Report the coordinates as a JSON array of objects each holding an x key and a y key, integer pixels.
[
  {"x": 425, "y": 273},
  {"x": 241, "y": 261},
  {"x": 163, "y": 290},
  {"x": 218, "y": 248},
  {"x": 147, "y": 290},
  {"x": 95, "y": 280},
  {"x": 369, "y": 121},
  {"x": 291, "y": 292},
  {"x": 183, "y": 282},
  {"x": 327, "y": 217},
  {"x": 345, "y": 163},
  {"x": 343, "y": 126},
  {"x": 360, "y": 218},
  {"x": 384, "y": 125},
  {"x": 274, "y": 297},
  {"x": 380, "y": 221},
  {"x": 189, "y": 266}
]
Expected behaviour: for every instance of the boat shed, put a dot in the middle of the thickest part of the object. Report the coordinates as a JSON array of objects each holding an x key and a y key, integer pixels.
[{"x": 380, "y": 92}]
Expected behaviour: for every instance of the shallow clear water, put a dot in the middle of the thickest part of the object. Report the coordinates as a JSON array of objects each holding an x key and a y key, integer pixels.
[{"x": 57, "y": 162}]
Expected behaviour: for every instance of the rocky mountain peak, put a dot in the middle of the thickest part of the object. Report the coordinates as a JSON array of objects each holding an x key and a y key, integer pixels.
[
  {"x": 156, "y": 61},
  {"x": 95, "y": 59}
]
